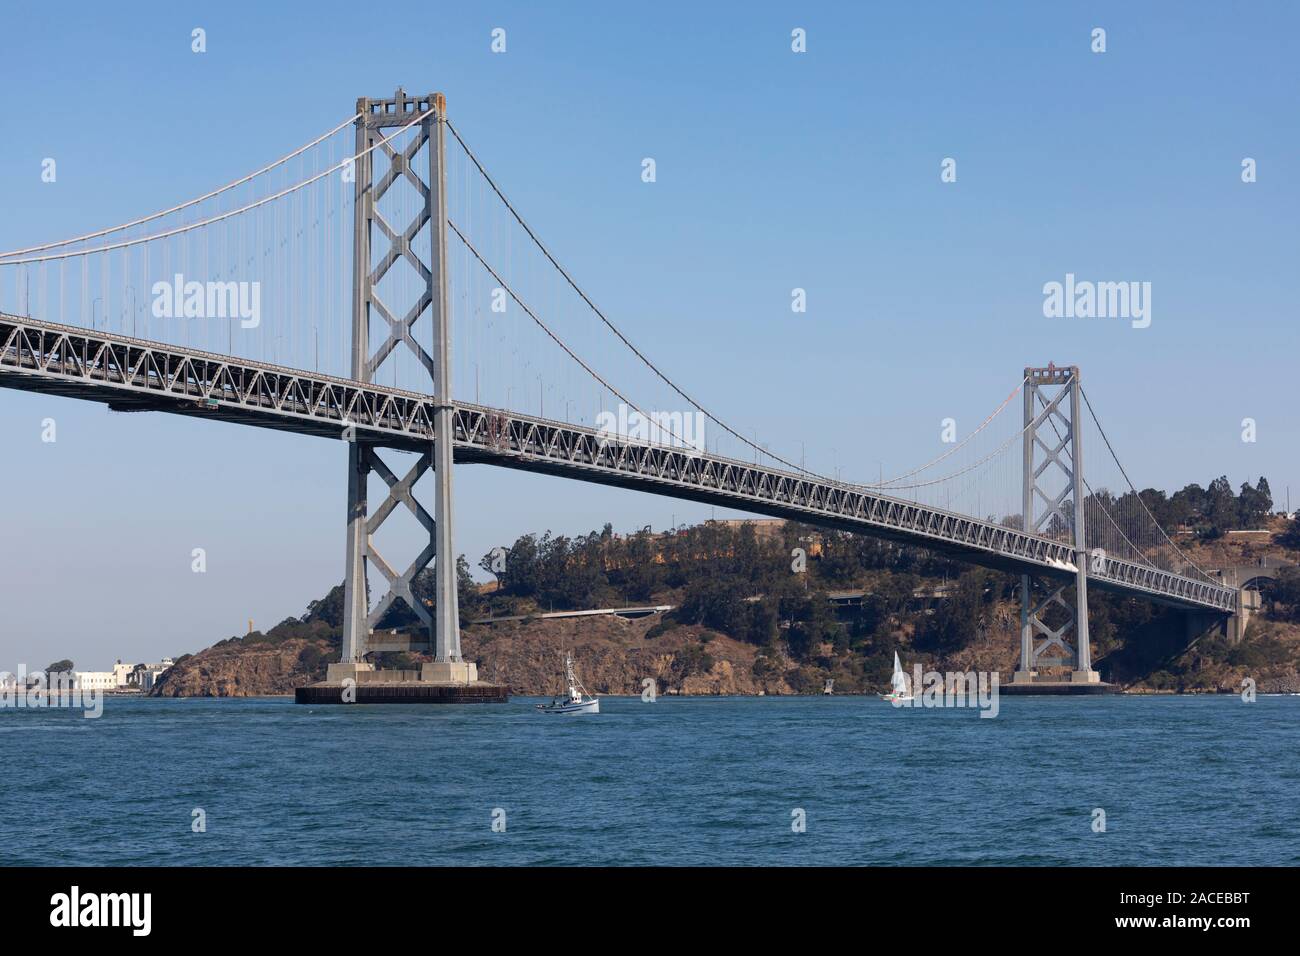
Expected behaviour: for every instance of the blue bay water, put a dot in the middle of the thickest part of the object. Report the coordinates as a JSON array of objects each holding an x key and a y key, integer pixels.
[{"x": 1182, "y": 780}]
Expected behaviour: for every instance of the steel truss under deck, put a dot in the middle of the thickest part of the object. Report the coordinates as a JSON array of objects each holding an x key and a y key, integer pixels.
[{"x": 132, "y": 374}]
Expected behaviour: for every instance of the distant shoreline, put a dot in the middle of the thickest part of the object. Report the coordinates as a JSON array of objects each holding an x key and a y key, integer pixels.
[{"x": 1135, "y": 692}]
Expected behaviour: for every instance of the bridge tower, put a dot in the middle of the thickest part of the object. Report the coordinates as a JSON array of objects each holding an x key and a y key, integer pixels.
[
  {"x": 378, "y": 118},
  {"x": 1053, "y": 504}
]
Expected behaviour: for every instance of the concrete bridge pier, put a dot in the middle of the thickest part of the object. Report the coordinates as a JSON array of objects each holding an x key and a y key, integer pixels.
[
  {"x": 1247, "y": 579},
  {"x": 1248, "y": 602},
  {"x": 1233, "y": 626}
]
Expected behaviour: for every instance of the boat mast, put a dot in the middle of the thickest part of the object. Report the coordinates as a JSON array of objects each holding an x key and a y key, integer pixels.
[{"x": 568, "y": 672}]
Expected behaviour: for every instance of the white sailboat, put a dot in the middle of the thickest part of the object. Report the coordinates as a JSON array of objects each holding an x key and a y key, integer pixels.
[
  {"x": 578, "y": 701},
  {"x": 898, "y": 694}
]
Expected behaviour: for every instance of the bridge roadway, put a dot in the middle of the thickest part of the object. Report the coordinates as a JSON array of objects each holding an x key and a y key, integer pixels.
[{"x": 136, "y": 375}]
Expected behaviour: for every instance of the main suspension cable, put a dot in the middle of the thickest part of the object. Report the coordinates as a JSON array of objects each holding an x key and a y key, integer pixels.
[
  {"x": 547, "y": 329},
  {"x": 613, "y": 328},
  {"x": 1115, "y": 457},
  {"x": 185, "y": 205},
  {"x": 222, "y": 216},
  {"x": 954, "y": 448}
]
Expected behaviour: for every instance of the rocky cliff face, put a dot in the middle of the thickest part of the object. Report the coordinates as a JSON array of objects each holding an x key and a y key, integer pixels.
[
  {"x": 247, "y": 669},
  {"x": 612, "y": 656}
]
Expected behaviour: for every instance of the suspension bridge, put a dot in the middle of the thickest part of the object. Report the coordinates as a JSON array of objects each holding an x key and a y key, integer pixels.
[{"x": 377, "y": 286}]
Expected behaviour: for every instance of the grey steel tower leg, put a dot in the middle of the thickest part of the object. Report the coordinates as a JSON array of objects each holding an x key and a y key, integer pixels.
[
  {"x": 446, "y": 610},
  {"x": 1083, "y": 666},
  {"x": 356, "y": 591},
  {"x": 1025, "y": 672},
  {"x": 355, "y": 598}
]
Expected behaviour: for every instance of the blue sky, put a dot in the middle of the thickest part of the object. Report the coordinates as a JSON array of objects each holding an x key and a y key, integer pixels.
[{"x": 775, "y": 171}]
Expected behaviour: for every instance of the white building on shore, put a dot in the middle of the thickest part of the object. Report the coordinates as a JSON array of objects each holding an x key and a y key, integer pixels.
[
  {"x": 94, "y": 680},
  {"x": 147, "y": 675},
  {"x": 123, "y": 677}
]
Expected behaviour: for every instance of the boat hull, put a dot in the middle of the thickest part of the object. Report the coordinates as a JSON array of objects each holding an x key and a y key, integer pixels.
[{"x": 570, "y": 709}]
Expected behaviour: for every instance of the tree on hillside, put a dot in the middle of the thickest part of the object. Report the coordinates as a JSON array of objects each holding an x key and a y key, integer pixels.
[
  {"x": 59, "y": 667},
  {"x": 746, "y": 554},
  {"x": 1158, "y": 503},
  {"x": 812, "y": 621},
  {"x": 1220, "y": 511},
  {"x": 1254, "y": 504},
  {"x": 521, "y": 574},
  {"x": 581, "y": 582},
  {"x": 328, "y": 609},
  {"x": 896, "y": 591},
  {"x": 955, "y": 622},
  {"x": 637, "y": 570},
  {"x": 714, "y": 603},
  {"x": 1186, "y": 505},
  {"x": 468, "y": 597},
  {"x": 764, "y": 625},
  {"x": 870, "y": 614},
  {"x": 840, "y": 560}
]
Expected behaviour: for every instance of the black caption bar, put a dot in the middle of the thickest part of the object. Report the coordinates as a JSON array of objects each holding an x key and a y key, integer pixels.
[{"x": 139, "y": 905}]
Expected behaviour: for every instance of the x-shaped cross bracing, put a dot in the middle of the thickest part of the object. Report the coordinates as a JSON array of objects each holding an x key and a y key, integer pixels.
[
  {"x": 399, "y": 330},
  {"x": 400, "y": 491},
  {"x": 1053, "y": 594},
  {"x": 1057, "y": 455}
]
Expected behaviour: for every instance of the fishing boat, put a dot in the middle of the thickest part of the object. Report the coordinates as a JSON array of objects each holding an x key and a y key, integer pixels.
[
  {"x": 577, "y": 701},
  {"x": 898, "y": 694}
]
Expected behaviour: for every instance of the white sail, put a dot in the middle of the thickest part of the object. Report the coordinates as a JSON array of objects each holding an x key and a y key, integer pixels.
[{"x": 899, "y": 680}]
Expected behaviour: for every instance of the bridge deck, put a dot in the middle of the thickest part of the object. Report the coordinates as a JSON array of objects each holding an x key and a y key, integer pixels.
[{"x": 133, "y": 374}]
